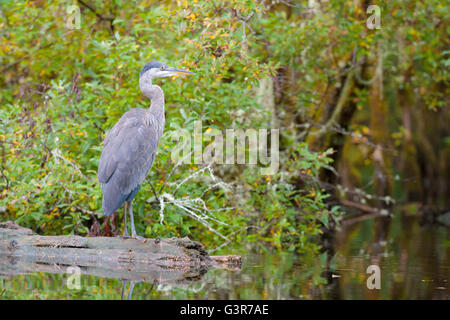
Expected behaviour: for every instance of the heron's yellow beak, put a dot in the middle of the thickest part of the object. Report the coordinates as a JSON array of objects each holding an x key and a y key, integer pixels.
[{"x": 176, "y": 71}]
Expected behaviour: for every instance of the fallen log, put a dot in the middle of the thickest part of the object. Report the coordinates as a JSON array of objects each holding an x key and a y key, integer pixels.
[{"x": 171, "y": 260}]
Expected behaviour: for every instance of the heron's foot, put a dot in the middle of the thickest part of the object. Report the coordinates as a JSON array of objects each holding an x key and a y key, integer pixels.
[
  {"x": 135, "y": 236},
  {"x": 125, "y": 236}
]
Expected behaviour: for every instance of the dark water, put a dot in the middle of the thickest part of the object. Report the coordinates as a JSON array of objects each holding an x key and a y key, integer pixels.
[{"x": 414, "y": 263}]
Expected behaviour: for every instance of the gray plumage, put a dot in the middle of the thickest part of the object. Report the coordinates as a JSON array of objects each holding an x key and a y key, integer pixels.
[
  {"x": 128, "y": 154},
  {"x": 130, "y": 147}
]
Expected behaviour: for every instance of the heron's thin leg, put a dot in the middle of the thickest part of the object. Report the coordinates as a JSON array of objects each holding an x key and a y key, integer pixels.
[
  {"x": 124, "y": 283},
  {"x": 133, "y": 230},
  {"x": 125, "y": 231},
  {"x": 130, "y": 293}
]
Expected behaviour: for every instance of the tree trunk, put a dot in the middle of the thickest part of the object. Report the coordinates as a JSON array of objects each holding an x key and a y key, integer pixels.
[
  {"x": 380, "y": 132},
  {"x": 151, "y": 260}
]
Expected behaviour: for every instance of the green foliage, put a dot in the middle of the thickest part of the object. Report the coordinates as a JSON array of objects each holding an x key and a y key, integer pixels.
[{"x": 62, "y": 89}]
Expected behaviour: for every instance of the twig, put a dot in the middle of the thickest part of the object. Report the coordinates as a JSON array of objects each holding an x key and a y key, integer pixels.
[
  {"x": 362, "y": 217},
  {"x": 173, "y": 170},
  {"x": 92, "y": 9},
  {"x": 335, "y": 127},
  {"x": 100, "y": 16},
  {"x": 154, "y": 192},
  {"x": 359, "y": 206},
  {"x": 58, "y": 155},
  {"x": 196, "y": 173},
  {"x": 346, "y": 90},
  {"x": 356, "y": 192}
]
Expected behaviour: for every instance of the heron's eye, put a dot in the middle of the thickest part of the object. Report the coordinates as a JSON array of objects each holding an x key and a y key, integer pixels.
[{"x": 162, "y": 68}]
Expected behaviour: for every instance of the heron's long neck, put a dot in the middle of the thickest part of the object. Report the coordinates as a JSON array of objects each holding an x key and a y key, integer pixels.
[
  {"x": 157, "y": 106},
  {"x": 156, "y": 94}
]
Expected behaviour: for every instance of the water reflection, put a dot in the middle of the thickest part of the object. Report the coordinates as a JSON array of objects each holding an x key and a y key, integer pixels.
[{"x": 414, "y": 261}]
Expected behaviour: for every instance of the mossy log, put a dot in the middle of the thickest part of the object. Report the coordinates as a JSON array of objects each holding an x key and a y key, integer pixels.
[{"x": 169, "y": 260}]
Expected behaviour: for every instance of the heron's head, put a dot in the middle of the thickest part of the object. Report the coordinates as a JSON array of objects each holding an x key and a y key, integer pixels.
[{"x": 156, "y": 69}]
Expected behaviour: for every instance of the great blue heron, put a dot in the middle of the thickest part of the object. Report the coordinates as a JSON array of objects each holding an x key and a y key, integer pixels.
[{"x": 129, "y": 148}]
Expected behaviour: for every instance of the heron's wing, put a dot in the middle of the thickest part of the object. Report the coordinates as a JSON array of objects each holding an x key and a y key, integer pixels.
[{"x": 128, "y": 151}]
